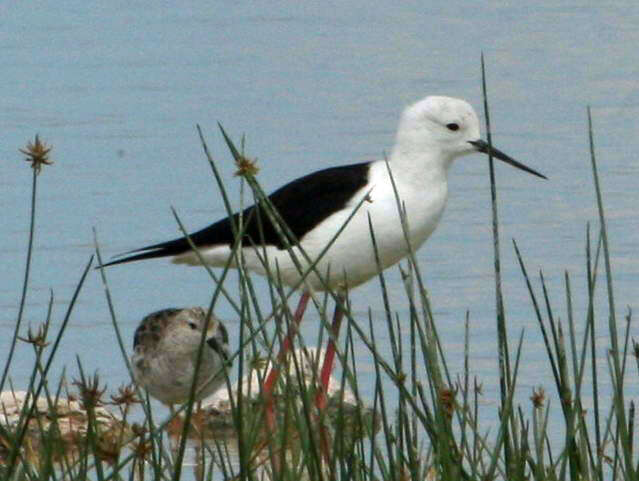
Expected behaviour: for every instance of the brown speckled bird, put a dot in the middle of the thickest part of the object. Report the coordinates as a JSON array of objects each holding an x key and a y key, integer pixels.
[{"x": 165, "y": 349}]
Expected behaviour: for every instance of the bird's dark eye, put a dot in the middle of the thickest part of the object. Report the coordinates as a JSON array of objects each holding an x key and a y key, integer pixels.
[
  {"x": 453, "y": 126},
  {"x": 193, "y": 325}
]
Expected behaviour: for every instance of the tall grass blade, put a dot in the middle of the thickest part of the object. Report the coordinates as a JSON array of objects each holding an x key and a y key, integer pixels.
[
  {"x": 504, "y": 358},
  {"x": 25, "y": 284},
  {"x": 612, "y": 320}
]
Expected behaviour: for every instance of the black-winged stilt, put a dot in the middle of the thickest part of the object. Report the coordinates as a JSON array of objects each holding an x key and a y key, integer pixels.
[{"x": 431, "y": 134}]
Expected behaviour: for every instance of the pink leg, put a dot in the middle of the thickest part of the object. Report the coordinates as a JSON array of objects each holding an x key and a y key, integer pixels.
[
  {"x": 271, "y": 378},
  {"x": 327, "y": 367}
]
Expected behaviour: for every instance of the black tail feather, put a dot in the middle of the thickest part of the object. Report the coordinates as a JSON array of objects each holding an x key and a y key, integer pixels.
[{"x": 165, "y": 249}]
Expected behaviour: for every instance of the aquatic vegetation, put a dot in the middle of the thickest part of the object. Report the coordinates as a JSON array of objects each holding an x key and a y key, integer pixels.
[{"x": 429, "y": 425}]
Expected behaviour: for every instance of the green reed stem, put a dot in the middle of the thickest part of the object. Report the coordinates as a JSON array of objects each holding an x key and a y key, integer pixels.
[
  {"x": 612, "y": 320},
  {"x": 25, "y": 284},
  {"x": 13, "y": 456},
  {"x": 504, "y": 358}
]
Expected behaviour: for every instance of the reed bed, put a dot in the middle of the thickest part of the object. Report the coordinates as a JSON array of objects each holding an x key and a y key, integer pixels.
[{"x": 430, "y": 428}]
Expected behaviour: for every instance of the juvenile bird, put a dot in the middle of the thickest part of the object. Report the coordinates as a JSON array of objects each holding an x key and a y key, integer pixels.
[{"x": 165, "y": 349}]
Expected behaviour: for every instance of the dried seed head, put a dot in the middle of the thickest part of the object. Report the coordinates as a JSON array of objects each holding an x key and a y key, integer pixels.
[
  {"x": 142, "y": 449},
  {"x": 37, "y": 153},
  {"x": 38, "y": 339},
  {"x": 538, "y": 397},
  {"x": 90, "y": 392},
  {"x": 447, "y": 399},
  {"x": 246, "y": 166},
  {"x": 126, "y": 396}
]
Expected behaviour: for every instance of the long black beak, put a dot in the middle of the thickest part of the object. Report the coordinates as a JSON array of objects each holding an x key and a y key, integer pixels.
[{"x": 483, "y": 147}]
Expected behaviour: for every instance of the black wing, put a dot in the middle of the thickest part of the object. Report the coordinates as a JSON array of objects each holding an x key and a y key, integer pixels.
[{"x": 302, "y": 204}]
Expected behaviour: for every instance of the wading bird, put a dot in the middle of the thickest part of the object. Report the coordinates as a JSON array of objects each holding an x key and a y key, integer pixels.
[
  {"x": 165, "y": 350},
  {"x": 431, "y": 134}
]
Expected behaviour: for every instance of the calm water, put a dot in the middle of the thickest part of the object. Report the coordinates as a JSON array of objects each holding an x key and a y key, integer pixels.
[{"x": 118, "y": 88}]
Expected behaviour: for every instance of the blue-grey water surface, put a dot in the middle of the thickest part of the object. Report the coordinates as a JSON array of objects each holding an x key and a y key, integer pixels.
[{"x": 118, "y": 87}]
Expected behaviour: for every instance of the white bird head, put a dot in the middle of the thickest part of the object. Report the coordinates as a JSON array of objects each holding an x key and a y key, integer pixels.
[{"x": 445, "y": 128}]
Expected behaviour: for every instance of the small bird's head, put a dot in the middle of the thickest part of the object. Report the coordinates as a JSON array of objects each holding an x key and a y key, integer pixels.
[
  {"x": 180, "y": 331},
  {"x": 189, "y": 325},
  {"x": 165, "y": 351},
  {"x": 446, "y": 128}
]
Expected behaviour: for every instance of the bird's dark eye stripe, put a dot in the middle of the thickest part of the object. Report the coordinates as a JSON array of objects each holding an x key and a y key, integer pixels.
[{"x": 452, "y": 126}]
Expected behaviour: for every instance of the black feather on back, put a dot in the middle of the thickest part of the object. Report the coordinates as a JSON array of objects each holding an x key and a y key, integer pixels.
[{"x": 303, "y": 204}]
